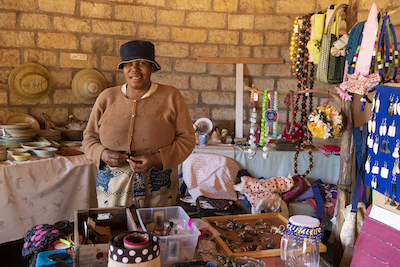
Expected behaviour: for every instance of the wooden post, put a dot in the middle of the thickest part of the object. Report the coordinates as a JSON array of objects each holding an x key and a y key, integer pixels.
[{"x": 346, "y": 152}]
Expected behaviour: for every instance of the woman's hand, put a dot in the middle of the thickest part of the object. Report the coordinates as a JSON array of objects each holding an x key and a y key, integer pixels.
[
  {"x": 113, "y": 158},
  {"x": 145, "y": 163}
]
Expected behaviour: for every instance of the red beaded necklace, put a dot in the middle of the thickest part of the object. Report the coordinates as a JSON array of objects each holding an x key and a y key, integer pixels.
[{"x": 305, "y": 137}]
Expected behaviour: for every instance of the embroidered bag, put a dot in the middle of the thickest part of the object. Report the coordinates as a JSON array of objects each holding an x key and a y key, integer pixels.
[
  {"x": 299, "y": 186},
  {"x": 330, "y": 69}
]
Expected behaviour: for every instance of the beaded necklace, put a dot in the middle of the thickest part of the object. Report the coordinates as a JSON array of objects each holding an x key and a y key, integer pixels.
[
  {"x": 305, "y": 140},
  {"x": 253, "y": 121},
  {"x": 289, "y": 102},
  {"x": 294, "y": 44},
  {"x": 387, "y": 41},
  {"x": 263, "y": 126}
]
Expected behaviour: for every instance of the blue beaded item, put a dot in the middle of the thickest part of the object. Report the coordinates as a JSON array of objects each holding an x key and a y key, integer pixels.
[{"x": 301, "y": 233}]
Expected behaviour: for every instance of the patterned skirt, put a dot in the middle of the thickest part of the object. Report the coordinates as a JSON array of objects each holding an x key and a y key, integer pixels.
[{"x": 120, "y": 187}]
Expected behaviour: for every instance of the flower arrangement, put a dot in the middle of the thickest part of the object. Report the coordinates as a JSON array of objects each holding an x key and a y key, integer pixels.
[{"x": 325, "y": 122}]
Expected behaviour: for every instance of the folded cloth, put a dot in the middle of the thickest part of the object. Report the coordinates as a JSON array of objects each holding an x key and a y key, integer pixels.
[{"x": 325, "y": 150}]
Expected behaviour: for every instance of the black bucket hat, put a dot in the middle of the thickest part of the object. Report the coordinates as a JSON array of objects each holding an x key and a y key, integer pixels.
[{"x": 137, "y": 50}]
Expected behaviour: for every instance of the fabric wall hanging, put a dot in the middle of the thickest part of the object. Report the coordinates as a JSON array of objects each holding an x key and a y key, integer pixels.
[{"x": 331, "y": 68}]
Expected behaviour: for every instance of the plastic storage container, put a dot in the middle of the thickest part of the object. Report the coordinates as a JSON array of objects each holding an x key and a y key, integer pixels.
[{"x": 176, "y": 247}]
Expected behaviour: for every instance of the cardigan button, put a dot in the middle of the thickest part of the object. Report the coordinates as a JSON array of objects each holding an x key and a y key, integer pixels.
[
  {"x": 117, "y": 143},
  {"x": 133, "y": 116}
]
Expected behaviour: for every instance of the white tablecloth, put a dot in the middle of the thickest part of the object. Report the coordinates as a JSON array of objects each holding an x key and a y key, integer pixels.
[{"x": 43, "y": 191}]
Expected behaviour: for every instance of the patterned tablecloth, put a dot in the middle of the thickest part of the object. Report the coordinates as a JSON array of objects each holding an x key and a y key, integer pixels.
[{"x": 43, "y": 191}]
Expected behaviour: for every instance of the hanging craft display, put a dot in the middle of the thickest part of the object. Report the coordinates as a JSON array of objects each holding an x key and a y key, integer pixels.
[
  {"x": 383, "y": 143},
  {"x": 271, "y": 116},
  {"x": 253, "y": 120},
  {"x": 325, "y": 122}
]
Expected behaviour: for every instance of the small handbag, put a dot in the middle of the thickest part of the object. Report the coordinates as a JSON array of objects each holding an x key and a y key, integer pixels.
[{"x": 330, "y": 69}]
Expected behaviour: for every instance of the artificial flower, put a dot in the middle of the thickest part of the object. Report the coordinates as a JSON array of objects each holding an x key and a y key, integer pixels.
[{"x": 325, "y": 122}]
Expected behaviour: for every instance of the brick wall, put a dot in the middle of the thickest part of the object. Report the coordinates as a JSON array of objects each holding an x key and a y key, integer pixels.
[{"x": 48, "y": 31}]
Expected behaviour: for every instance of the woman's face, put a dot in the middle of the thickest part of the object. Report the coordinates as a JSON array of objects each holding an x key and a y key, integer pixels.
[{"x": 137, "y": 74}]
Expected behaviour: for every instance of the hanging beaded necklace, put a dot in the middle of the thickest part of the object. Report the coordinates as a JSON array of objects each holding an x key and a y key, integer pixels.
[
  {"x": 253, "y": 121},
  {"x": 294, "y": 45},
  {"x": 263, "y": 133},
  {"x": 290, "y": 119},
  {"x": 305, "y": 137}
]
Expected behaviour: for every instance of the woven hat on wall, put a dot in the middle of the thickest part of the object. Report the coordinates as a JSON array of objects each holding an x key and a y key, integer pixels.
[
  {"x": 30, "y": 82},
  {"x": 87, "y": 84}
]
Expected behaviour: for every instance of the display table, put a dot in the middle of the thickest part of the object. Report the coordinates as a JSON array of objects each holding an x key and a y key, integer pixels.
[
  {"x": 279, "y": 163},
  {"x": 43, "y": 191}
]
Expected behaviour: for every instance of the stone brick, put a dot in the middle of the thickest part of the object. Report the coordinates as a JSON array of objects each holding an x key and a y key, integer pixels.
[
  {"x": 361, "y": 16},
  {"x": 67, "y": 62},
  {"x": 264, "y": 84},
  {"x": 165, "y": 63},
  {"x": 218, "y": 98},
  {"x": 204, "y": 82},
  {"x": 226, "y": 5},
  {"x": 22, "y": 5},
  {"x": 187, "y": 35},
  {"x": 170, "y": 17},
  {"x": 96, "y": 10},
  {"x": 176, "y": 80},
  {"x": 112, "y": 27},
  {"x": 240, "y": 22},
  {"x": 35, "y": 21},
  {"x": 57, "y": 115},
  {"x": 227, "y": 114},
  {"x": 190, "y": 97},
  {"x": 251, "y": 6},
  {"x": 229, "y": 83},
  {"x": 61, "y": 78},
  {"x": 5, "y": 112},
  {"x": 277, "y": 38},
  {"x": 252, "y": 69},
  {"x": 152, "y": 2},
  {"x": 46, "y": 58},
  {"x": 3, "y": 97},
  {"x": 17, "y": 39},
  {"x": 9, "y": 58},
  {"x": 206, "y": 20},
  {"x": 197, "y": 113},
  {"x": 154, "y": 32},
  {"x": 57, "y": 6},
  {"x": 4, "y": 74},
  {"x": 280, "y": 70},
  {"x": 204, "y": 5},
  {"x": 296, "y": 7},
  {"x": 98, "y": 45},
  {"x": 253, "y": 38},
  {"x": 66, "y": 24},
  {"x": 185, "y": 65},
  {"x": 8, "y": 20},
  {"x": 203, "y": 51},
  {"x": 120, "y": 79},
  {"x": 122, "y": 1},
  {"x": 135, "y": 13},
  {"x": 223, "y": 37},
  {"x": 57, "y": 40},
  {"x": 222, "y": 69},
  {"x": 266, "y": 52},
  {"x": 234, "y": 51},
  {"x": 64, "y": 96},
  {"x": 172, "y": 49},
  {"x": 284, "y": 85},
  {"x": 81, "y": 113},
  {"x": 109, "y": 62},
  {"x": 273, "y": 22},
  {"x": 16, "y": 101}
]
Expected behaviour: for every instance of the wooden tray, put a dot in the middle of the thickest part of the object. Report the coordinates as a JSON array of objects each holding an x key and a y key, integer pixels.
[{"x": 275, "y": 219}]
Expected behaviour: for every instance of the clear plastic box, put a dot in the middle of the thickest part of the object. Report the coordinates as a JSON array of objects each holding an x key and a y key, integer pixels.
[{"x": 177, "y": 247}]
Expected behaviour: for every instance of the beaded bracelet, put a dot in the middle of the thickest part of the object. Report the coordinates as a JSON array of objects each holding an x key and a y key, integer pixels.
[{"x": 264, "y": 108}]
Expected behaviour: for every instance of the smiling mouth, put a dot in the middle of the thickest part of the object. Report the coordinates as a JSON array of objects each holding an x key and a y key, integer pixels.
[{"x": 136, "y": 77}]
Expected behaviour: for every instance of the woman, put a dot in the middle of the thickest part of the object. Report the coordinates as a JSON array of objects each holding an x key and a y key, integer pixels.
[{"x": 138, "y": 134}]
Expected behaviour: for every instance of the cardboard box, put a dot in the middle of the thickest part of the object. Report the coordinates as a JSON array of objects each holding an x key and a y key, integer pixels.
[{"x": 110, "y": 221}]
